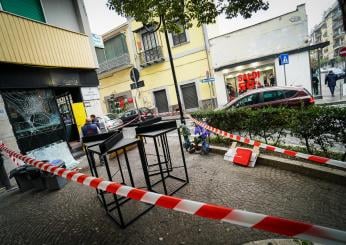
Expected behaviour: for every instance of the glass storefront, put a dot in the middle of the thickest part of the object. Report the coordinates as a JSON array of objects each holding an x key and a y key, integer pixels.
[
  {"x": 241, "y": 81},
  {"x": 32, "y": 112}
]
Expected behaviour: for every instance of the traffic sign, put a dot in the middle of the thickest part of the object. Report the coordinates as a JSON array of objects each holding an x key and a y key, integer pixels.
[
  {"x": 342, "y": 52},
  {"x": 283, "y": 59},
  {"x": 134, "y": 75},
  {"x": 136, "y": 85},
  {"x": 207, "y": 80}
]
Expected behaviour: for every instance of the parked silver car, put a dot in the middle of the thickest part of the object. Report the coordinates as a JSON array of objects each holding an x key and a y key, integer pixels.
[{"x": 109, "y": 122}]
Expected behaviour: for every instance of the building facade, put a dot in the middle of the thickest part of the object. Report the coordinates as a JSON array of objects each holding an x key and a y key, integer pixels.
[
  {"x": 131, "y": 45},
  {"x": 47, "y": 72},
  {"x": 252, "y": 57},
  {"x": 330, "y": 29}
]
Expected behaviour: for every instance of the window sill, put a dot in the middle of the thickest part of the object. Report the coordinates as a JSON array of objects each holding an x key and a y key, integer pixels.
[{"x": 180, "y": 44}]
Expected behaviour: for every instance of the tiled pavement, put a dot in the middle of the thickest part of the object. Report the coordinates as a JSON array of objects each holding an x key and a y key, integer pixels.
[{"x": 73, "y": 215}]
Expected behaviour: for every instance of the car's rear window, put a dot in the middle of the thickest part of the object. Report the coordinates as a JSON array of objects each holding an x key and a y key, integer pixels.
[
  {"x": 289, "y": 93},
  {"x": 273, "y": 95}
]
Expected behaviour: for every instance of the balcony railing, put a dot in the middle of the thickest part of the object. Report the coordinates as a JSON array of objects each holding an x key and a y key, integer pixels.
[
  {"x": 151, "y": 56},
  {"x": 337, "y": 24},
  {"x": 114, "y": 63},
  {"x": 338, "y": 33},
  {"x": 25, "y": 41},
  {"x": 338, "y": 45},
  {"x": 337, "y": 15}
]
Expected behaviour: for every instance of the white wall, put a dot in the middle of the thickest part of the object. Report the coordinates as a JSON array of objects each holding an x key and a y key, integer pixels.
[
  {"x": 7, "y": 135},
  {"x": 281, "y": 34},
  {"x": 61, "y": 13},
  {"x": 297, "y": 71},
  {"x": 220, "y": 88}
]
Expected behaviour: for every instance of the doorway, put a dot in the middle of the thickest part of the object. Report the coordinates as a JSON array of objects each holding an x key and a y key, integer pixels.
[
  {"x": 65, "y": 102},
  {"x": 190, "y": 97},
  {"x": 161, "y": 101}
]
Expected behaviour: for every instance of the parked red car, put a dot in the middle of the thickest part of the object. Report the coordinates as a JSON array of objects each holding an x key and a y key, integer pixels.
[{"x": 274, "y": 97}]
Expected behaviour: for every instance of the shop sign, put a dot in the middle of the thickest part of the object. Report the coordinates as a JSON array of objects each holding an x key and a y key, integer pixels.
[
  {"x": 342, "y": 52},
  {"x": 248, "y": 81},
  {"x": 90, "y": 93},
  {"x": 97, "y": 40}
]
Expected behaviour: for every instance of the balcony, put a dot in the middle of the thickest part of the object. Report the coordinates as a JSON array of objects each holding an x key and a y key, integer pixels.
[
  {"x": 24, "y": 41},
  {"x": 338, "y": 45},
  {"x": 151, "y": 56},
  {"x": 337, "y": 24},
  {"x": 338, "y": 33},
  {"x": 114, "y": 63},
  {"x": 337, "y": 15}
]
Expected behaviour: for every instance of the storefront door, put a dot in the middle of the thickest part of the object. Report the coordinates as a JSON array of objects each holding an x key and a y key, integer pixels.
[{"x": 65, "y": 108}]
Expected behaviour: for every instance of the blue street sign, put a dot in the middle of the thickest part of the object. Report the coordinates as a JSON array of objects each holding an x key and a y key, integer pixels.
[
  {"x": 283, "y": 59},
  {"x": 210, "y": 79}
]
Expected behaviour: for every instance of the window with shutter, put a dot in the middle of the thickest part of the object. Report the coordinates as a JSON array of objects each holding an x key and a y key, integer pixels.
[{"x": 31, "y": 9}]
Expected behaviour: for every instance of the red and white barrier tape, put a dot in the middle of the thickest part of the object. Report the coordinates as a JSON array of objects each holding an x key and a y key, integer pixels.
[
  {"x": 263, "y": 222},
  {"x": 162, "y": 114},
  {"x": 128, "y": 123},
  {"x": 313, "y": 158}
]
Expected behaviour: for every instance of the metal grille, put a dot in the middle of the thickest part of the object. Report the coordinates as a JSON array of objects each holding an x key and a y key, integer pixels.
[
  {"x": 161, "y": 101},
  {"x": 189, "y": 95}
]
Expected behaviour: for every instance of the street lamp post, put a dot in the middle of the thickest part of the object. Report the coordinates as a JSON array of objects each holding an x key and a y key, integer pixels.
[
  {"x": 182, "y": 119},
  {"x": 162, "y": 21}
]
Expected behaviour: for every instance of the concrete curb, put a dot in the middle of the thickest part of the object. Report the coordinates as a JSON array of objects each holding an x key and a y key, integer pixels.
[{"x": 316, "y": 171}]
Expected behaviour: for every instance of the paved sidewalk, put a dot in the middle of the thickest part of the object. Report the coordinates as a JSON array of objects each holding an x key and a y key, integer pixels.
[{"x": 73, "y": 215}]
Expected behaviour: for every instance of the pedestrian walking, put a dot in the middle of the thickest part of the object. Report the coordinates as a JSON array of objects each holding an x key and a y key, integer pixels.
[
  {"x": 315, "y": 83},
  {"x": 330, "y": 81},
  {"x": 90, "y": 128}
]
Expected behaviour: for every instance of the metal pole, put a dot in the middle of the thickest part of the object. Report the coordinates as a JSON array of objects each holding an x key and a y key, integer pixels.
[
  {"x": 319, "y": 71},
  {"x": 285, "y": 74},
  {"x": 173, "y": 71},
  {"x": 342, "y": 83}
]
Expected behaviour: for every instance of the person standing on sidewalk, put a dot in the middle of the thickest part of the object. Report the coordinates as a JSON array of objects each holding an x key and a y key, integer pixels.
[
  {"x": 330, "y": 81},
  {"x": 315, "y": 83},
  {"x": 94, "y": 120},
  {"x": 89, "y": 128}
]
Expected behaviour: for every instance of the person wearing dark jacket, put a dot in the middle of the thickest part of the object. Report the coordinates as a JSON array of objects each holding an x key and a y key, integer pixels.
[
  {"x": 89, "y": 128},
  {"x": 315, "y": 83},
  {"x": 94, "y": 120},
  {"x": 331, "y": 81}
]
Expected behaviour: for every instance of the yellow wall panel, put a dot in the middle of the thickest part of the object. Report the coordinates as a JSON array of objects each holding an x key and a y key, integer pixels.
[
  {"x": 190, "y": 61},
  {"x": 79, "y": 114},
  {"x": 24, "y": 41}
]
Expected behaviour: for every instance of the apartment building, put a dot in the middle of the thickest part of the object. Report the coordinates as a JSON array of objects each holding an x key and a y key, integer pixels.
[
  {"x": 251, "y": 59},
  {"x": 330, "y": 29},
  {"x": 48, "y": 79},
  {"x": 131, "y": 45}
]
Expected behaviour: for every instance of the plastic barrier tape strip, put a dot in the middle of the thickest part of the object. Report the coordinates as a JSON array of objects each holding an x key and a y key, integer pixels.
[
  {"x": 234, "y": 216},
  {"x": 313, "y": 158}
]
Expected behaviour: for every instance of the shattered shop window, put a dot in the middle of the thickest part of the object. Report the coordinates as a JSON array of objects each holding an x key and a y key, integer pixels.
[{"x": 32, "y": 112}]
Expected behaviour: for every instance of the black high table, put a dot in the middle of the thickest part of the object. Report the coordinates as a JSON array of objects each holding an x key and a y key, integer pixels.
[
  {"x": 89, "y": 141},
  {"x": 158, "y": 132},
  {"x": 110, "y": 146}
]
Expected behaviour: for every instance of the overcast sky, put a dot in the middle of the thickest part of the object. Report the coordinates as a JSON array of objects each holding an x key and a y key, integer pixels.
[{"x": 102, "y": 19}]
